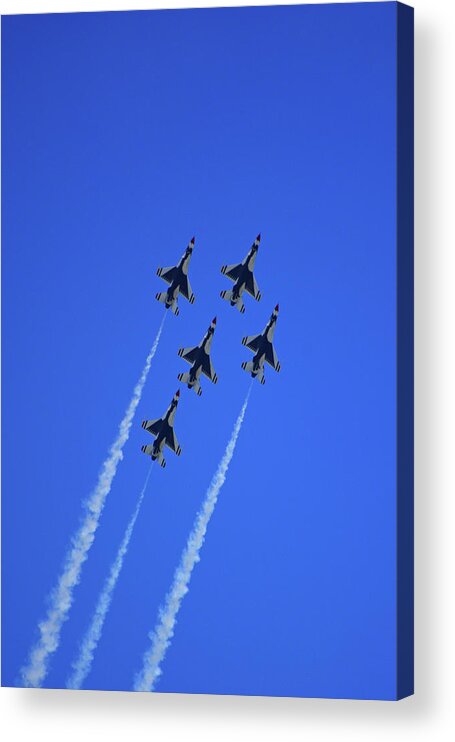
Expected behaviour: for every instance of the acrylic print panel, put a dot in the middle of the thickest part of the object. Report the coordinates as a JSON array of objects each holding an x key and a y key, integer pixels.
[{"x": 272, "y": 555}]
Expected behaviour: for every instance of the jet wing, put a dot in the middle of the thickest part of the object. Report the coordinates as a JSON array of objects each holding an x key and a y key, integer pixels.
[
  {"x": 186, "y": 290},
  {"x": 152, "y": 426},
  {"x": 167, "y": 274},
  {"x": 271, "y": 357},
  {"x": 208, "y": 370},
  {"x": 189, "y": 354},
  {"x": 232, "y": 271},
  {"x": 251, "y": 287},
  {"x": 252, "y": 342},
  {"x": 172, "y": 442}
]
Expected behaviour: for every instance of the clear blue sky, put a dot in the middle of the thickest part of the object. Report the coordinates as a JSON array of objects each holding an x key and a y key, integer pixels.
[{"x": 123, "y": 135}]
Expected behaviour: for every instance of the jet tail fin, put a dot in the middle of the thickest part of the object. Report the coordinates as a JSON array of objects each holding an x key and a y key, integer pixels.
[
  {"x": 247, "y": 366},
  {"x": 185, "y": 379},
  {"x": 227, "y": 295},
  {"x": 161, "y": 296}
]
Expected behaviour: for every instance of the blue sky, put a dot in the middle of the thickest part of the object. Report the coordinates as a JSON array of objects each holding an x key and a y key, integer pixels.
[{"x": 123, "y": 135}]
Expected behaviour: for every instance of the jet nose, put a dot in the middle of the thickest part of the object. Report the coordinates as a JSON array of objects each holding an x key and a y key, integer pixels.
[
  {"x": 214, "y": 321},
  {"x": 192, "y": 240},
  {"x": 258, "y": 238},
  {"x": 177, "y": 394},
  {"x": 277, "y": 308}
]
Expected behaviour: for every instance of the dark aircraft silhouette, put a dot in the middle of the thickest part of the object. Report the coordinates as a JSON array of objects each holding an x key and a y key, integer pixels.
[
  {"x": 163, "y": 430},
  {"x": 242, "y": 275},
  {"x": 262, "y": 347},
  {"x": 179, "y": 282},
  {"x": 199, "y": 357}
]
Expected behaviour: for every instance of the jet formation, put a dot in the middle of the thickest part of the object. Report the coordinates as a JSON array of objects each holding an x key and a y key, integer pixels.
[{"x": 198, "y": 356}]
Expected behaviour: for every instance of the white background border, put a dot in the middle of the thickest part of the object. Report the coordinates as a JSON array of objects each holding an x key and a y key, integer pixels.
[{"x": 68, "y": 715}]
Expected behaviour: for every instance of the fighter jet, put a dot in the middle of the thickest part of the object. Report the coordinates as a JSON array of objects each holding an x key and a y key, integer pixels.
[
  {"x": 163, "y": 430},
  {"x": 244, "y": 280},
  {"x": 262, "y": 347},
  {"x": 179, "y": 282},
  {"x": 199, "y": 357}
]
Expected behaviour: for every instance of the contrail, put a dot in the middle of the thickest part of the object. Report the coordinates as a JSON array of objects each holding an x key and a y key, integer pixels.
[
  {"x": 163, "y": 632},
  {"x": 61, "y": 597},
  {"x": 83, "y": 664}
]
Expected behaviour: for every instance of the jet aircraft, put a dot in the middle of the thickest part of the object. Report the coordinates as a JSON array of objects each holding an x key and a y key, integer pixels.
[
  {"x": 163, "y": 430},
  {"x": 262, "y": 347},
  {"x": 199, "y": 358},
  {"x": 244, "y": 280},
  {"x": 177, "y": 278}
]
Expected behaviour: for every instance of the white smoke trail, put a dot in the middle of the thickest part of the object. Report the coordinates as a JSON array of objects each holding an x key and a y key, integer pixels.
[
  {"x": 83, "y": 664},
  {"x": 61, "y": 597},
  {"x": 163, "y": 632}
]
